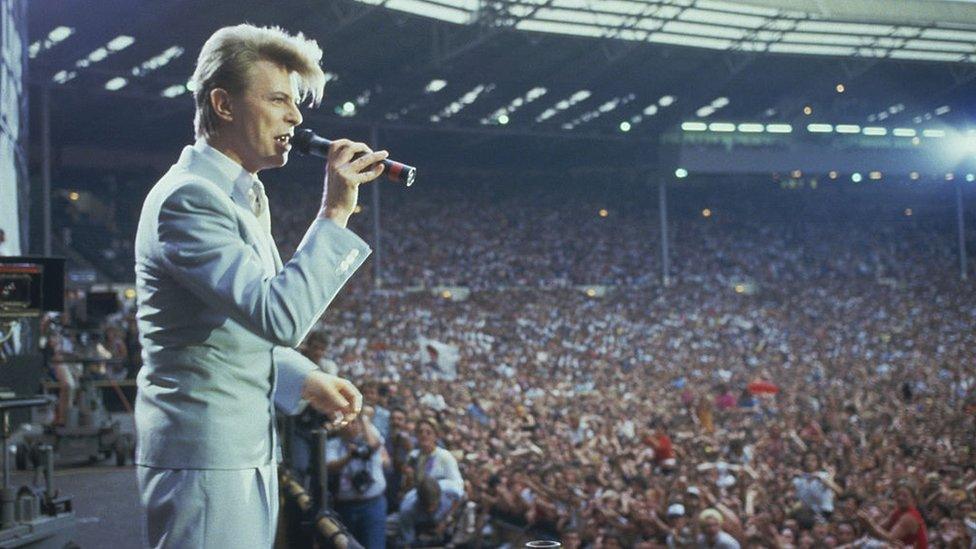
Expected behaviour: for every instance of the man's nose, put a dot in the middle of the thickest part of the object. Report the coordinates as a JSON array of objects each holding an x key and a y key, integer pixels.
[{"x": 294, "y": 116}]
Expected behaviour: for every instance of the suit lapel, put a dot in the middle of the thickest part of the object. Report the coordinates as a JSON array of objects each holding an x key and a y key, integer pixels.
[{"x": 196, "y": 163}]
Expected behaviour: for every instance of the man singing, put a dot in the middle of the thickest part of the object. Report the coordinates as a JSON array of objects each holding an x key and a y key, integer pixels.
[{"x": 219, "y": 314}]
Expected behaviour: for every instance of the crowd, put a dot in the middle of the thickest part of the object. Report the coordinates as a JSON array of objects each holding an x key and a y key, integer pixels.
[{"x": 807, "y": 380}]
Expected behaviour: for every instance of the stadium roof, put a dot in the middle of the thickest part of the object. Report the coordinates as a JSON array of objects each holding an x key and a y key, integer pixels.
[{"x": 507, "y": 71}]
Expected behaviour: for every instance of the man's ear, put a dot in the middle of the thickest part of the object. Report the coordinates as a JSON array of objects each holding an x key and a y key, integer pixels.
[{"x": 220, "y": 102}]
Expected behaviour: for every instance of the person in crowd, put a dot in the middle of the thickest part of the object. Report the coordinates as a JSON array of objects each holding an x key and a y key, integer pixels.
[
  {"x": 428, "y": 512},
  {"x": 355, "y": 458}
]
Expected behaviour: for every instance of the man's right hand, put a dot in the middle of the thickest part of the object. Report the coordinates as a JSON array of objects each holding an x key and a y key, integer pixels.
[
  {"x": 350, "y": 164},
  {"x": 333, "y": 396}
]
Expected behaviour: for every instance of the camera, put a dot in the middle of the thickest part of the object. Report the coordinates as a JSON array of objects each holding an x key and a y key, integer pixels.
[
  {"x": 362, "y": 451},
  {"x": 361, "y": 480}
]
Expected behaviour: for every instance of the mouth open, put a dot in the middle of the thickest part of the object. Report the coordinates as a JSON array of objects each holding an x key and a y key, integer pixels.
[{"x": 284, "y": 139}]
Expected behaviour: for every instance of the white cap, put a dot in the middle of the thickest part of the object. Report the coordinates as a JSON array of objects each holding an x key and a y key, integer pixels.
[{"x": 676, "y": 510}]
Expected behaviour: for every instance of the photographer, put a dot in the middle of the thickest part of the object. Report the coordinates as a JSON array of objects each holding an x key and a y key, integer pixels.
[
  {"x": 356, "y": 458},
  {"x": 427, "y": 513}
]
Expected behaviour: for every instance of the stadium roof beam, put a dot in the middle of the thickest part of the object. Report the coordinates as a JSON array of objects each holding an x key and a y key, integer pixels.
[{"x": 773, "y": 26}]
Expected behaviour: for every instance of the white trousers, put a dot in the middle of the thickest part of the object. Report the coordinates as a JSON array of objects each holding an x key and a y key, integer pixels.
[{"x": 209, "y": 508}]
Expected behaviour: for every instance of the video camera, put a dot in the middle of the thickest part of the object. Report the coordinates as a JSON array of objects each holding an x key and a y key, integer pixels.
[{"x": 30, "y": 286}]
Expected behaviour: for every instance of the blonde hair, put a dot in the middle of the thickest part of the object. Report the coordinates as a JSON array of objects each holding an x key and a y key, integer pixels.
[{"x": 226, "y": 59}]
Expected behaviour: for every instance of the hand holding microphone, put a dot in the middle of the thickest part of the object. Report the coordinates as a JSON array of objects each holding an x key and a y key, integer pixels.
[
  {"x": 307, "y": 142},
  {"x": 349, "y": 165}
]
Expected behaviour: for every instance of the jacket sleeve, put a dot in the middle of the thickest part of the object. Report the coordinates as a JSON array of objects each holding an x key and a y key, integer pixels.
[
  {"x": 202, "y": 248},
  {"x": 291, "y": 369}
]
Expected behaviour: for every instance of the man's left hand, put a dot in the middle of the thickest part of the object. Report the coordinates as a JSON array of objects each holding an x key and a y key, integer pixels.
[{"x": 334, "y": 396}]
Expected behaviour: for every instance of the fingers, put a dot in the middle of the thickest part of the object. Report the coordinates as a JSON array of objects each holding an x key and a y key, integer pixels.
[
  {"x": 344, "y": 150},
  {"x": 354, "y": 397},
  {"x": 366, "y": 160}
]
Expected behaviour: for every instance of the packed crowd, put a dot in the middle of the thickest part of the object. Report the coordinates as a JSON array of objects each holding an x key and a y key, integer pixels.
[
  {"x": 801, "y": 384},
  {"x": 806, "y": 381}
]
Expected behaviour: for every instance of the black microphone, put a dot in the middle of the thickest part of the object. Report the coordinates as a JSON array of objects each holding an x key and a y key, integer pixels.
[{"x": 306, "y": 142}]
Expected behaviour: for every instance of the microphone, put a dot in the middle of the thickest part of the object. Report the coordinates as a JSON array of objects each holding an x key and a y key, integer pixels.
[{"x": 306, "y": 142}]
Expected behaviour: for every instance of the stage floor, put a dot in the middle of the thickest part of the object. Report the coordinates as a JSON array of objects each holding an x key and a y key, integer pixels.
[{"x": 106, "y": 503}]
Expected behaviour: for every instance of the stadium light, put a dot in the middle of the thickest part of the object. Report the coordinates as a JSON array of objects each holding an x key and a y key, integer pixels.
[
  {"x": 116, "y": 83},
  {"x": 435, "y": 85}
]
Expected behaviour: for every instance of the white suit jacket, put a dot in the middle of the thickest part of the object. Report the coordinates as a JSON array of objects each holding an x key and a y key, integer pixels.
[{"x": 219, "y": 316}]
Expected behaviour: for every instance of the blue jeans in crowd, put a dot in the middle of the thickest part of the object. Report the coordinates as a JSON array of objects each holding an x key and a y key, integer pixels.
[{"x": 366, "y": 520}]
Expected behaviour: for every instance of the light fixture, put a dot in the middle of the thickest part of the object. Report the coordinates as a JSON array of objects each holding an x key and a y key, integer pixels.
[
  {"x": 832, "y": 174},
  {"x": 63, "y": 76},
  {"x": 56, "y": 36},
  {"x": 706, "y": 213},
  {"x": 174, "y": 91},
  {"x": 625, "y": 126},
  {"x": 819, "y": 128},
  {"x": 435, "y": 85},
  {"x": 681, "y": 173},
  {"x": 120, "y": 42},
  {"x": 158, "y": 61},
  {"x": 856, "y": 177},
  {"x": 60, "y": 33},
  {"x": 603, "y": 212},
  {"x": 116, "y": 83},
  {"x": 808, "y": 110},
  {"x": 514, "y": 105},
  {"x": 563, "y": 104},
  {"x": 913, "y": 176},
  {"x": 840, "y": 88},
  {"x": 694, "y": 126}
]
